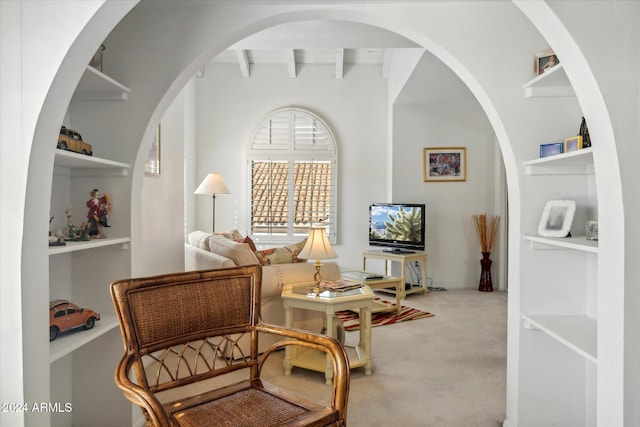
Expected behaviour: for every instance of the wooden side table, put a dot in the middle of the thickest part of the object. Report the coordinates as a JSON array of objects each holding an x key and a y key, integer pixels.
[
  {"x": 404, "y": 260},
  {"x": 383, "y": 283},
  {"x": 301, "y": 296}
]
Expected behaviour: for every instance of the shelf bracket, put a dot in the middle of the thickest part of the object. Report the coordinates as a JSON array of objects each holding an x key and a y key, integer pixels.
[{"x": 527, "y": 324}]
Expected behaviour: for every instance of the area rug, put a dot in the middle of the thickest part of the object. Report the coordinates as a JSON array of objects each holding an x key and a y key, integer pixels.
[{"x": 351, "y": 319}]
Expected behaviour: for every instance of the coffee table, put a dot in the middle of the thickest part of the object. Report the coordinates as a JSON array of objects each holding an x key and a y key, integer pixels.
[{"x": 302, "y": 297}]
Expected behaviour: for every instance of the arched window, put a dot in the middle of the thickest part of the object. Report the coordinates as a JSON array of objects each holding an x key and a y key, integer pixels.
[{"x": 293, "y": 176}]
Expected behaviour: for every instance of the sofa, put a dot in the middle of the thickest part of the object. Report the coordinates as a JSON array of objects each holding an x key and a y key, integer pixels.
[{"x": 280, "y": 266}]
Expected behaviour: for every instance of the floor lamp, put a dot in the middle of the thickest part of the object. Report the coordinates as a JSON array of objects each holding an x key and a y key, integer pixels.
[
  {"x": 317, "y": 247},
  {"x": 213, "y": 184}
]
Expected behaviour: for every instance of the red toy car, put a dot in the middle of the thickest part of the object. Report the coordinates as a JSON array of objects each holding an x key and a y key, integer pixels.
[{"x": 65, "y": 315}]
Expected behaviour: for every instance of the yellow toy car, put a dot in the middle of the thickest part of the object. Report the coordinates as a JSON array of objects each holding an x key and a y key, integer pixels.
[{"x": 71, "y": 140}]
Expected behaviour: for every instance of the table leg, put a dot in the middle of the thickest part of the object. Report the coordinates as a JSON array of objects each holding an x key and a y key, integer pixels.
[
  {"x": 288, "y": 320},
  {"x": 399, "y": 290},
  {"x": 403, "y": 293},
  {"x": 328, "y": 370},
  {"x": 424, "y": 275},
  {"x": 365, "y": 338}
]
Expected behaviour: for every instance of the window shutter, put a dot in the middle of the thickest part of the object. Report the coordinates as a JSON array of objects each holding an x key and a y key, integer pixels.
[{"x": 293, "y": 167}]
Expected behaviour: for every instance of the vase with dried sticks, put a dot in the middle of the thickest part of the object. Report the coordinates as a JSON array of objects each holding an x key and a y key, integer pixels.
[{"x": 486, "y": 236}]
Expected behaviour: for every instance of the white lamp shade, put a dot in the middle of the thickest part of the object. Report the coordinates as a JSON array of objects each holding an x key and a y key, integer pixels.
[
  {"x": 212, "y": 184},
  {"x": 317, "y": 246}
]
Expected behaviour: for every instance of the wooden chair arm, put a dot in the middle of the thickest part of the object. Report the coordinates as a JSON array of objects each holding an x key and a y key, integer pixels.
[
  {"x": 325, "y": 343},
  {"x": 139, "y": 396}
]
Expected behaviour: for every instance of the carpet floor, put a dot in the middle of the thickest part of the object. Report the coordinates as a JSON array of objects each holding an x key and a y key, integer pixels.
[
  {"x": 447, "y": 371},
  {"x": 351, "y": 319}
]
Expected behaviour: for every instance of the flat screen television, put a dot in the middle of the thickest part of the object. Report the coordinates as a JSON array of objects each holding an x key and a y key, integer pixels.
[{"x": 398, "y": 227}]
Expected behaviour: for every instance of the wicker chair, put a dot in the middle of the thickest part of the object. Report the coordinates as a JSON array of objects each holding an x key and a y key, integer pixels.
[{"x": 174, "y": 329}]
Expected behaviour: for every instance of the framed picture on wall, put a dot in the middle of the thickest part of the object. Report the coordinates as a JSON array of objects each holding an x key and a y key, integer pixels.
[
  {"x": 152, "y": 167},
  {"x": 445, "y": 164}
]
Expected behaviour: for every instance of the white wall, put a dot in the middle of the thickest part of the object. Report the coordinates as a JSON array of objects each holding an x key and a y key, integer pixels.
[
  {"x": 452, "y": 244},
  {"x": 162, "y": 199},
  {"x": 230, "y": 107}
]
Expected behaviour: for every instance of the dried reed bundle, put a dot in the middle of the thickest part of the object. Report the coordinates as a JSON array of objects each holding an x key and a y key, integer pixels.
[{"x": 486, "y": 236}]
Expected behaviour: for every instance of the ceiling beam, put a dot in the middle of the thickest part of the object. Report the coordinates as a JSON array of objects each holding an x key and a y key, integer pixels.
[
  {"x": 339, "y": 63},
  {"x": 243, "y": 61},
  {"x": 290, "y": 57}
]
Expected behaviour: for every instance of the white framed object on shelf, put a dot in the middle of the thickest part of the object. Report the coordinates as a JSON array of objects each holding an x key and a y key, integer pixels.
[{"x": 557, "y": 218}]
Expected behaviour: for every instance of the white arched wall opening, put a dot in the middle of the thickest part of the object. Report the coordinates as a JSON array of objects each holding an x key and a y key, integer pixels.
[{"x": 160, "y": 94}]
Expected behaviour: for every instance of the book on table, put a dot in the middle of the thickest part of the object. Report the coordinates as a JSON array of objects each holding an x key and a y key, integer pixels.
[{"x": 339, "y": 285}]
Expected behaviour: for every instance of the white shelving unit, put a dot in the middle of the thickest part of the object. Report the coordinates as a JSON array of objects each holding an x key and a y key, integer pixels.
[
  {"x": 576, "y": 332},
  {"x": 558, "y": 334},
  {"x": 97, "y": 86},
  {"x": 552, "y": 83},
  {"x": 81, "y": 271}
]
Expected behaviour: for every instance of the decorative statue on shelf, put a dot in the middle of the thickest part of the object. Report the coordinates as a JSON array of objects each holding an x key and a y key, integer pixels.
[
  {"x": 98, "y": 216},
  {"x": 71, "y": 233}
]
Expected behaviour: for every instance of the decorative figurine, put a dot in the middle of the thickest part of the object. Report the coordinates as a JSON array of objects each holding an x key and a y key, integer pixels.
[
  {"x": 71, "y": 233},
  {"x": 54, "y": 239},
  {"x": 98, "y": 216}
]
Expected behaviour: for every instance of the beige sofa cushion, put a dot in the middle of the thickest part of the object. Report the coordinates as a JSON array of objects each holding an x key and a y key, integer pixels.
[
  {"x": 199, "y": 239},
  {"x": 240, "y": 253}
]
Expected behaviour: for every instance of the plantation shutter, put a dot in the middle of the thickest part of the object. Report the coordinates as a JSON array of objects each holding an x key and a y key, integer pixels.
[{"x": 293, "y": 177}]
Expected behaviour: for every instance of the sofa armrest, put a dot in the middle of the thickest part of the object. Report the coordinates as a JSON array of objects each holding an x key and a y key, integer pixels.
[{"x": 200, "y": 259}]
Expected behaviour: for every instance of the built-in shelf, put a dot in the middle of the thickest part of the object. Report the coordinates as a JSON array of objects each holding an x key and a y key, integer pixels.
[
  {"x": 578, "y": 162},
  {"x": 89, "y": 244},
  {"x": 578, "y": 332},
  {"x": 577, "y": 243},
  {"x": 68, "y": 341},
  {"x": 97, "y": 86},
  {"x": 76, "y": 164},
  {"x": 552, "y": 83}
]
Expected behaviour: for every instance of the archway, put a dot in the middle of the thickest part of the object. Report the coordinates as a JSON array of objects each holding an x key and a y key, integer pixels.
[{"x": 158, "y": 103}]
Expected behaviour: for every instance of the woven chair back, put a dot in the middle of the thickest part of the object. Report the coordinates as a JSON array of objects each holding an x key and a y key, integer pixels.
[{"x": 179, "y": 324}]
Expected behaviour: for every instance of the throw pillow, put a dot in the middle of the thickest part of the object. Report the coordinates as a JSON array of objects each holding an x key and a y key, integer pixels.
[
  {"x": 284, "y": 255},
  {"x": 249, "y": 242},
  {"x": 239, "y": 253},
  {"x": 233, "y": 234}
]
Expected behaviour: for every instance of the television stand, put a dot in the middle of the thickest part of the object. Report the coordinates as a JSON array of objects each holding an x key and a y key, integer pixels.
[
  {"x": 398, "y": 251},
  {"x": 404, "y": 259}
]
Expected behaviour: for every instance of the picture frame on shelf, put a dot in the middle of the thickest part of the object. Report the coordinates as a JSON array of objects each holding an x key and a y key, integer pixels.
[
  {"x": 445, "y": 164},
  {"x": 557, "y": 217},
  {"x": 551, "y": 149},
  {"x": 544, "y": 61},
  {"x": 573, "y": 143},
  {"x": 591, "y": 229},
  {"x": 152, "y": 166}
]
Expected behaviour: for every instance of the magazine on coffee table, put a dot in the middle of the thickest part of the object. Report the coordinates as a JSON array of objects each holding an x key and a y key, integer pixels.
[{"x": 339, "y": 285}]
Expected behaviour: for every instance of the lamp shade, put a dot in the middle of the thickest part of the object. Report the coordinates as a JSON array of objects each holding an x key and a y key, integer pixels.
[
  {"x": 317, "y": 246},
  {"x": 212, "y": 184}
]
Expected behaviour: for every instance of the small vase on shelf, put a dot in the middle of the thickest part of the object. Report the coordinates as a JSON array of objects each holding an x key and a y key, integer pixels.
[{"x": 485, "y": 276}]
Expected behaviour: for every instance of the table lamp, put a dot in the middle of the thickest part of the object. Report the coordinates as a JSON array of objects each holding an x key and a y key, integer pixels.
[
  {"x": 213, "y": 184},
  {"x": 317, "y": 247}
]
